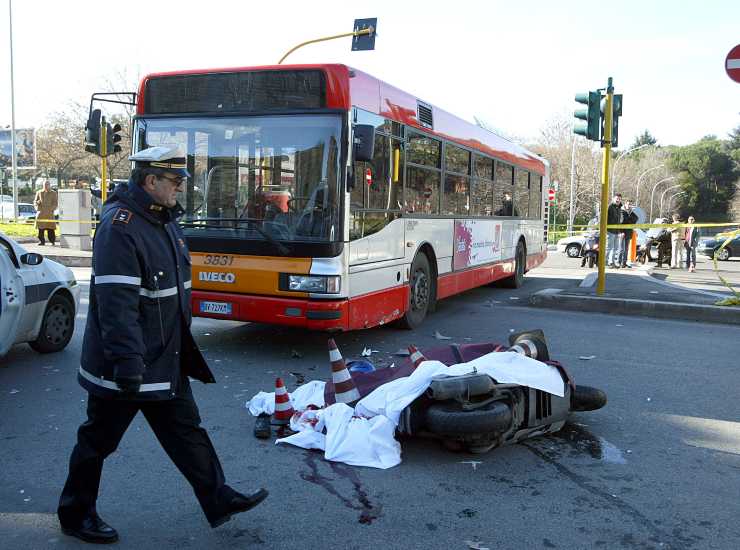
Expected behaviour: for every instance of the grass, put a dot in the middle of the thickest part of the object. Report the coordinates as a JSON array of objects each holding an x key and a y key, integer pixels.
[{"x": 18, "y": 229}]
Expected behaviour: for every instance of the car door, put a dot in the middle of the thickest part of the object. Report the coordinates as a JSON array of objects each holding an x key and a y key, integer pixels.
[{"x": 13, "y": 298}]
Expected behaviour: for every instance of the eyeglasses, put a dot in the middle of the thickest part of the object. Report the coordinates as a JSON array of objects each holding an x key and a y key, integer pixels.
[{"x": 178, "y": 181}]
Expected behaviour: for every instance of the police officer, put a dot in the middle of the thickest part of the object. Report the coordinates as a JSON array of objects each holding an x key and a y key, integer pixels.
[{"x": 138, "y": 352}]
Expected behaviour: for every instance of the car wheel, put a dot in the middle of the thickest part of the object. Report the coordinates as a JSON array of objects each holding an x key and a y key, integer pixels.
[
  {"x": 421, "y": 290},
  {"x": 520, "y": 262},
  {"x": 57, "y": 326},
  {"x": 573, "y": 250},
  {"x": 724, "y": 254}
]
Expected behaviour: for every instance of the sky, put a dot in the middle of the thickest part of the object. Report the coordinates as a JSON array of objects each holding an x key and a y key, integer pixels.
[{"x": 514, "y": 65}]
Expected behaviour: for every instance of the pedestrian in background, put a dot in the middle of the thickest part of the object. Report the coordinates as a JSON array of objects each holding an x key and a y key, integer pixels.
[
  {"x": 613, "y": 217},
  {"x": 45, "y": 203},
  {"x": 691, "y": 240},
  {"x": 138, "y": 352},
  {"x": 677, "y": 243},
  {"x": 628, "y": 218}
]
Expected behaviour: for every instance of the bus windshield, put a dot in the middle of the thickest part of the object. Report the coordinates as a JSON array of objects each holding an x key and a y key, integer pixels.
[{"x": 273, "y": 178}]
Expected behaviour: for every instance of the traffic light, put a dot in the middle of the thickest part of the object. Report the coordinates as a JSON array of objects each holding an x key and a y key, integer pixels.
[
  {"x": 616, "y": 113},
  {"x": 113, "y": 136},
  {"x": 592, "y": 115},
  {"x": 92, "y": 132}
]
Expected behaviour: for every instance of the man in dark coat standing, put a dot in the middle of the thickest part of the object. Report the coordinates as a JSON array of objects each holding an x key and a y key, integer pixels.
[
  {"x": 138, "y": 352},
  {"x": 613, "y": 217}
]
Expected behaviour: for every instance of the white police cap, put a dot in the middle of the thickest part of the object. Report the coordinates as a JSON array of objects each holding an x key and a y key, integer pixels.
[{"x": 164, "y": 157}]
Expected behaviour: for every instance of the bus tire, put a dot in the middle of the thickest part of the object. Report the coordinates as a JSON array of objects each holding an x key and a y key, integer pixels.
[
  {"x": 520, "y": 262},
  {"x": 420, "y": 293}
]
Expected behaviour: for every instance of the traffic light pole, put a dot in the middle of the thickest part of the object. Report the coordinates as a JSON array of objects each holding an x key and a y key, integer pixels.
[
  {"x": 607, "y": 143},
  {"x": 103, "y": 161}
]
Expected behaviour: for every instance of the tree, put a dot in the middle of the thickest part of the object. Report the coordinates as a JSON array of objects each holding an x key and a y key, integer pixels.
[
  {"x": 646, "y": 138},
  {"x": 707, "y": 174}
]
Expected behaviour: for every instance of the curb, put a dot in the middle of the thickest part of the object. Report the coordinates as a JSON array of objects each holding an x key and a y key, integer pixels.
[
  {"x": 550, "y": 298},
  {"x": 71, "y": 261}
]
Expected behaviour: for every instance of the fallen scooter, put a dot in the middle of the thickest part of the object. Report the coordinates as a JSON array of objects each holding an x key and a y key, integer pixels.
[{"x": 476, "y": 413}]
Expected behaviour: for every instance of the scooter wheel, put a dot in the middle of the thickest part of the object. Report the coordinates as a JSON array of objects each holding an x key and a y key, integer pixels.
[
  {"x": 449, "y": 418},
  {"x": 586, "y": 398}
]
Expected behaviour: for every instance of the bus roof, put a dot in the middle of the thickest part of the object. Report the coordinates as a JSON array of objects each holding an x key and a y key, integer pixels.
[{"x": 347, "y": 87}]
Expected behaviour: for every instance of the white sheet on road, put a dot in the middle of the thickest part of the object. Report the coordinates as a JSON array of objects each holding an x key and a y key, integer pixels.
[
  {"x": 311, "y": 393},
  {"x": 365, "y": 436}
]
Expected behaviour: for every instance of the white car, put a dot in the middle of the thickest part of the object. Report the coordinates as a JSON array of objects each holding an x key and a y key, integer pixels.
[
  {"x": 573, "y": 246},
  {"x": 40, "y": 299}
]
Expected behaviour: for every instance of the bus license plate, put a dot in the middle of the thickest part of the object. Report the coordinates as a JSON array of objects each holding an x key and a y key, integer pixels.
[{"x": 221, "y": 308}]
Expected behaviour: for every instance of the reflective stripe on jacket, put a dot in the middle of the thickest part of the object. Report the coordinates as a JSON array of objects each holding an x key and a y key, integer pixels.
[{"x": 139, "y": 314}]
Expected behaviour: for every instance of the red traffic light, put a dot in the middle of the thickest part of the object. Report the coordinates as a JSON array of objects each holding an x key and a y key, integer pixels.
[{"x": 551, "y": 195}]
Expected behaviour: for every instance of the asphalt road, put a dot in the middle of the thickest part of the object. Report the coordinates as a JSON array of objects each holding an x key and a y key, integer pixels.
[{"x": 658, "y": 467}]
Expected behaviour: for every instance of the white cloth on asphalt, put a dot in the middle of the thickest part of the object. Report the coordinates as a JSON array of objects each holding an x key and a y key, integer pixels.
[
  {"x": 365, "y": 436},
  {"x": 311, "y": 393}
]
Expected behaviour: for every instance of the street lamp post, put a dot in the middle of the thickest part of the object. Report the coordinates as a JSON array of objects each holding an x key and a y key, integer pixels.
[
  {"x": 639, "y": 180},
  {"x": 572, "y": 204},
  {"x": 673, "y": 197},
  {"x": 14, "y": 161},
  {"x": 662, "y": 195},
  {"x": 652, "y": 193},
  {"x": 620, "y": 157}
]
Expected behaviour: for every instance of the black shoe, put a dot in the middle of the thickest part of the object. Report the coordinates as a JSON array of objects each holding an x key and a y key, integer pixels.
[
  {"x": 241, "y": 503},
  {"x": 42, "y": 244},
  {"x": 262, "y": 428},
  {"x": 93, "y": 529}
]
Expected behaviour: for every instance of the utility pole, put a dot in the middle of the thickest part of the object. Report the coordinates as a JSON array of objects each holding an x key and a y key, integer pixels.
[{"x": 14, "y": 162}]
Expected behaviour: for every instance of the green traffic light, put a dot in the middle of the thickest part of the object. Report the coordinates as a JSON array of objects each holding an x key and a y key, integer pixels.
[{"x": 592, "y": 115}]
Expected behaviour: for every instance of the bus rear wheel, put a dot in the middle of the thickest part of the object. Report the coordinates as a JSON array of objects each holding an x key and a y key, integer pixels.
[
  {"x": 520, "y": 261},
  {"x": 420, "y": 293}
]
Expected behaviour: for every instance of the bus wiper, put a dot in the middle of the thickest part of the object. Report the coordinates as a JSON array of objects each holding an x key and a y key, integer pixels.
[{"x": 282, "y": 249}]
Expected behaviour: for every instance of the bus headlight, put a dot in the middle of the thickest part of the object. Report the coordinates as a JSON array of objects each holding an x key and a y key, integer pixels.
[{"x": 326, "y": 284}]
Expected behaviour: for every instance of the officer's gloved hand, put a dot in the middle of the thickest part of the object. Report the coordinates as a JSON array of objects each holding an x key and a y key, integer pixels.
[{"x": 129, "y": 385}]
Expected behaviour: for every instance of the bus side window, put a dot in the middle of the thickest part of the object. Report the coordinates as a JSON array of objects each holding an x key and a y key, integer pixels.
[
  {"x": 521, "y": 192},
  {"x": 481, "y": 193},
  {"x": 503, "y": 190},
  {"x": 535, "y": 196}
]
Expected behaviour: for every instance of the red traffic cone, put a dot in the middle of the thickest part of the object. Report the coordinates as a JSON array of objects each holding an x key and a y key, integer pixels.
[
  {"x": 345, "y": 390},
  {"x": 416, "y": 356},
  {"x": 283, "y": 407}
]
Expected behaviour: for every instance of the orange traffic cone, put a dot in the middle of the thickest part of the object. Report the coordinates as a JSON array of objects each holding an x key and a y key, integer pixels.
[
  {"x": 345, "y": 390},
  {"x": 416, "y": 356},
  {"x": 283, "y": 407}
]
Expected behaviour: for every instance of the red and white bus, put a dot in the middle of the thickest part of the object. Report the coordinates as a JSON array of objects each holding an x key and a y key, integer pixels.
[{"x": 324, "y": 198}]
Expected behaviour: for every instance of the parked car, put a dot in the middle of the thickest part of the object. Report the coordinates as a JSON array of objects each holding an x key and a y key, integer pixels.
[
  {"x": 709, "y": 246},
  {"x": 573, "y": 246},
  {"x": 26, "y": 211},
  {"x": 40, "y": 300}
]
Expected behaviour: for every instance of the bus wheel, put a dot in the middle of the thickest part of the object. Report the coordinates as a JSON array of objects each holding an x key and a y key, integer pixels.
[
  {"x": 520, "y": 261},
  {"x": 420, "y": 293}
]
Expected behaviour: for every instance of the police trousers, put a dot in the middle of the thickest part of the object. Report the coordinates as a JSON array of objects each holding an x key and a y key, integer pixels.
[{"x": 176, "y": 424}]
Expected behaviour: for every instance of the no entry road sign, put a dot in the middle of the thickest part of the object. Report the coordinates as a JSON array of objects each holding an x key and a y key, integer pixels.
[{"x": 732, "y": 63}]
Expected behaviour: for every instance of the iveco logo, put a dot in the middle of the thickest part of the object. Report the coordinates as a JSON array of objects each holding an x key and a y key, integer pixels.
[{"x": 216, "y": 277}]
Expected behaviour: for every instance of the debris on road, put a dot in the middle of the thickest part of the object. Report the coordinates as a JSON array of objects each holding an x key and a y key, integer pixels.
[
  {"x": 586, "y": 357},
  {"x": 14, "y": 391},
  {"x": 476, "y": 545},
  {"x": 439, "y": 336},
  {"x": 295, "y": 355},
  {"x": 367, "y": 352},
  {"x": 473, "y": 463}
]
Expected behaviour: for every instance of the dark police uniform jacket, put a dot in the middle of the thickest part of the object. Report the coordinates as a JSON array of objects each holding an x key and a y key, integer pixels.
[{"x": 139, "y": 315}]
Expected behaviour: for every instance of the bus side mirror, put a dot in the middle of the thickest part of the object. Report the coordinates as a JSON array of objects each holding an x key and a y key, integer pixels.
[{"x": 364, "y": 142}]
